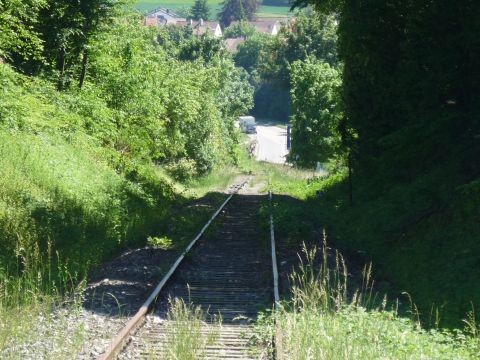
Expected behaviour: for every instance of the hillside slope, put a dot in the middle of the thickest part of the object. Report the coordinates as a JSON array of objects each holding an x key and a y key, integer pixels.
[{"x": 59, "y": 189}]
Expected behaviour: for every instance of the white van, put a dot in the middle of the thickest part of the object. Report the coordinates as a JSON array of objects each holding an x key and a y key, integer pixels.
[{"x": 247, "y": 124}]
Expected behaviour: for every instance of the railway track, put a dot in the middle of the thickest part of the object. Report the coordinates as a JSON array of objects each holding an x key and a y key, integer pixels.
[{"x": 227, "y": 274}]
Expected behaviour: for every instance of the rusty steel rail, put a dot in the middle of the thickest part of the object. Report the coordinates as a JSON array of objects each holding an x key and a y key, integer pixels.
[
  {"x": 277, "y": 335},
  {"x": 138, "y": 319},
  {"x": 274, "y": 255}
]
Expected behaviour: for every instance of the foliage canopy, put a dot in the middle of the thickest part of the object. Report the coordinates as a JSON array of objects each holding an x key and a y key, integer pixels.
[
  {"x": 316, "y": 114},
  {"x": 200, "y": 10},
  {"x": 237, "y": 10}
]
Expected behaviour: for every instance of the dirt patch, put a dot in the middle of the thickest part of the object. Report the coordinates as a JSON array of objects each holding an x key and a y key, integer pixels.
[{"x": 121, "y": 285}]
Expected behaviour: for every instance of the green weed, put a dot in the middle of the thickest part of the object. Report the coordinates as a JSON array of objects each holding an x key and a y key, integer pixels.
[
  {"x": 426, "y": 249},
  {"x": 163, "y": 242},
  {"x": 325, "y": 321},
  {"x": 187, "y": 336}
]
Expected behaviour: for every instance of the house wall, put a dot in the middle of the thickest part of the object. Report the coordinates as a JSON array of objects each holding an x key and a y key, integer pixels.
[{"x": 162, "y": 13}]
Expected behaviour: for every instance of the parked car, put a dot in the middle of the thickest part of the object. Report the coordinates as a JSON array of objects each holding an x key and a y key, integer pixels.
[{"x": 247, "y": 124}]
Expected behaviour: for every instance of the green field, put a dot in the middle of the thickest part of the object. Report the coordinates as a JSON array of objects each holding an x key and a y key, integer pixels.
[{"x": 270, "y": 10}]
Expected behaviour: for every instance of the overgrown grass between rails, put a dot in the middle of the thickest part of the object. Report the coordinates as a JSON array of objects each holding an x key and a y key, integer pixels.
[
  {"x": 187, "y": 336},
  {"x": 277, "y": 177},
  {"x": 218, "y": 180},
  {"x": 326, "y": 320}
]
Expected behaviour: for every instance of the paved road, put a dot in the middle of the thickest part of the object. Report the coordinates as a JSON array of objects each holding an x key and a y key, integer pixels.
[{"x": 271, "y": 144}]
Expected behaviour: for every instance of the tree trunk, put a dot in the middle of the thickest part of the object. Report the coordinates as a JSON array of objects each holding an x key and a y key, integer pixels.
[
  {"x": 61, "y": 66},
  {"x": 84, "y": 67}
]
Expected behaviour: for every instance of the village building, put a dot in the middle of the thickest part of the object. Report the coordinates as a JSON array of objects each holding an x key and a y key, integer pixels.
[
  {"x": 161, "y": 16},
  {"x": 270, "y": 27},
  {"x": 233, "y": 44},
  {"x": 202, "y": 27}
]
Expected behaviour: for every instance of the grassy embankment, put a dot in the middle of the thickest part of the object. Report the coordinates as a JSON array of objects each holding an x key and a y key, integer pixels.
[
  {"x": 432, "y": 257},
  {"x": 324, "y": 320},
  {"x": 315, "y": 328},
  {"x": 329, "y": 316},
  {"x": 65, "y": 207},
  {"x": 270, "y": 9}
]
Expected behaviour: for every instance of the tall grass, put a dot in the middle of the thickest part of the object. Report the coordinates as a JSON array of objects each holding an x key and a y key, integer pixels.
[
  {"x": 187, "y": 333},
  {"x": 276, "y": 177},
  {"x": 56, "y": 196},
  {"x": 62, "y": 210},
  {"x": 43, "y": 336},
  {"x": 217, "y": 180},
  {"x": 37, "y": 320},
  {"x": 326, "y": 320},
  {"x": 429, "y": 252}
]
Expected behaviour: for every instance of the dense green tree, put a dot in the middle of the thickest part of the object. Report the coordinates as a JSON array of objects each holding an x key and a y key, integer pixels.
[
  {"x": 251, "y": 52},
  {"x": 200, "y": 10},
  {"x": 240, "y": 29},
  {"x": 232, "y": 10},
  {"x": 316, "y": 112},
  {"x": 18, "y": 37},
  {"x": 67, "y": 28},
  {"x": 176, "y": 107},
  {"x": 52, "y": 34},
  {"x": 251, "y": 7},
  {"x": 311, "y": 34},
  {"x": 172, "y": 38},
  {"x": 402, "y": 60},
  {"x": 205, "y": 47},
  {"x": 181, "y": 44},
  {"x": 411, "y": 91}
]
